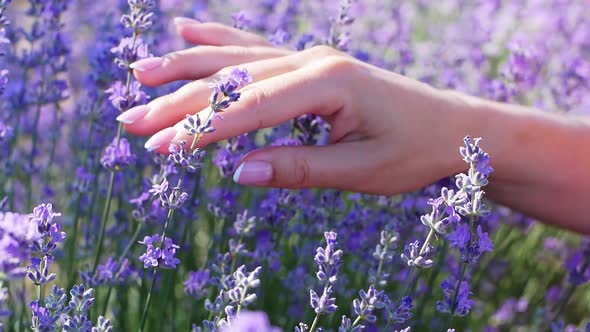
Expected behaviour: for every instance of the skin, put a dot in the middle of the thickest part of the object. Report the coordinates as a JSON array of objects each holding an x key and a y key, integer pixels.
[{"x": 390, "y": 134}]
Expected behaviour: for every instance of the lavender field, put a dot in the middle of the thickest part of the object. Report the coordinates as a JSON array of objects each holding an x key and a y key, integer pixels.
[{"x": 98, "y": 233}]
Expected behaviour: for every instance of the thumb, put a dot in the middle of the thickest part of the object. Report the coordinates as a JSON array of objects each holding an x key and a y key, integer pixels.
[{"x": 339, "y": 166}]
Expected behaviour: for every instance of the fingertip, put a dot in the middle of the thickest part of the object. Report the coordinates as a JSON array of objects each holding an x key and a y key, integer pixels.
[
  {"x": 180, "y": 21},
  {"x": 147, "y": 79},
  {"x": 187, "y": 28},
  {"x": 254, "y": 173},
  {"x": 148, "y": 71}
]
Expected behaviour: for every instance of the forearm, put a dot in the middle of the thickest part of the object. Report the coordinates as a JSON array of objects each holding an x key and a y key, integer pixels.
[{"x": 541, "y": 161}]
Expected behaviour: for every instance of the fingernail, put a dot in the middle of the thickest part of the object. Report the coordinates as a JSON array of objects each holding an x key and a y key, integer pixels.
[
  {"x": 147, "y": 64},
  {"x": 185, "y": 20},
  {"x": 253, "y": 172},
  {"x": 134, "y": 114},
  {"x": 160, "y": 138}
]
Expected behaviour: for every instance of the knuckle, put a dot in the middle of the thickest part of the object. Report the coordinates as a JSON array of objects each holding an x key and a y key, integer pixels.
[
  {"x": 255, "y": 97},
  {"x": 239, "y": 51},
  {"x": 337, "y": 65},
  {"x": 301, "y": 174},
  {"x": 323, "y": 51}
]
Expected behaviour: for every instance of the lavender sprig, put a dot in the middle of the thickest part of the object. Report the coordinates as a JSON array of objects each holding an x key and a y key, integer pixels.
[
  {"x": 225, "y": 92},
  {"x": 123, "y": 97},
  {"x": 329, "y": 261}
]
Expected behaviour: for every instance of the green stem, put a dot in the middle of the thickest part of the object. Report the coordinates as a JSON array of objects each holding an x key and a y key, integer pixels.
[
  {"x": 103, "y": 222},
  {"x": 427, "y": 241},
  {"x": 163, "y": 236},
  {"x": 120, "y": 260},
  {"x": 32, "y": 156},
  {"x": 314, "y": 325},
  {"x": 106, "y": 301},
  {"x": 147, "y": 302},
  {"x": 356, "y": 321},
  {"x": 72, "y": 240},
  {"x": 131, "y": 242},
  {"x": 241, "y": 300},
  {"x": 454, "y": 304}
]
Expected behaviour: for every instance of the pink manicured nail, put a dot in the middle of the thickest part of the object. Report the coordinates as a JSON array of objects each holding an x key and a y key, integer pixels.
[
  {"x": 185, "y": 20},
  {"x": 133, "y": 114},
  {"x": 147, "y": 64},
  {"x": 253, "y": 172},
  {"x": 160, "y": 138}
]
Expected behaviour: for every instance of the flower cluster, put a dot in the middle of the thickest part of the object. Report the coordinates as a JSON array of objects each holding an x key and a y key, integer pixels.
[
  {"x": 162, "y": 256},
  {"x": 225, "y": 90},
  {"x": 50, "y": 236},
  {"x": 55, "y": 313},
  {"x": 118, "y": 155}
]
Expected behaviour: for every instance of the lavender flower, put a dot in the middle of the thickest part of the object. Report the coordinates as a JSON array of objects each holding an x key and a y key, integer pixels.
[
  {"x": 50, "y": 235},
  {"x": 347, "y": 326},
  {"x": 415, "y": 256},
  {"x": 328, "y": 260},
  {"x": 130, "y": 50},
  {"x": 247, "y": 321},
  {"x": 195, "y": 284},
  {"x": 244, "y": 225},
  {"x": 244, "y": 282},
  {"x": 102, "y": 325},
  {"x": 369, "y": 301},
  {"x": 324, "y": 304},
  {"x": 140, "y": 18},
  {"x": 578, "y": 265},
  {"x": 225, "y": 89},
  {"x": 124, "y": 97},
  {"x": 117, "y": 155},
  {"x": 54, "y": 314},
  {"x": 172, "y": 200},
  {"x": 456, "y": 300},
  {"x": 155, "y": 256},
  {"x": 399, "y": 313},
  {"x": 191, "y": 161}
]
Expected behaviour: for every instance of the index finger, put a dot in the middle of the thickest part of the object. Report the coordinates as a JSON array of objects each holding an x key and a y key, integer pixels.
[{"x": 318, "y": 88}]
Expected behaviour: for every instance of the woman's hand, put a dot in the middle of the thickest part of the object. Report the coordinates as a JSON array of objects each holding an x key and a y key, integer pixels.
[{"x": 389, "y": 134}]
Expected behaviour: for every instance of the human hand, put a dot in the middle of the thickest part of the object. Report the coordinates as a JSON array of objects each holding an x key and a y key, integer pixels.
[{"x": 389, "y": 134}]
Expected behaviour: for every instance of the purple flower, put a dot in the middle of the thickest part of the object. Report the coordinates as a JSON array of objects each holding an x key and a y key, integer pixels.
[
  {"x": 159, "y": 189},
  {"x": 191, "y": 161},
  {"x": 324, "y": 304},
  {"x": 483, "y": 241},
  {"x": 42, "y": 319},
  {"x": 578, "y": 267},
  {"x": 140, "y": 18},
  {"x": 413, "y": 257},
  {"x": 130, "y": 50},
  {"x": 473, "y": 154},
  {"x": 124, "y": 98},
  {"x": 328, "y": 259},
  {"x": 225, "y": 89},
  {"x": 399, "y": 313},
  {"x": 456, "y": 301},
  {"x": 369, "y": 301},
  {"x": 249, "y": 321},
  {"x": 240, "y": 20},
  {"x": 118, "y": 155},
  {"x": 163, "y": 256},
  {"x": 113, "y": 273},
  {"x": 460, "y": 237},
  {"x": 195, "y": 284}
]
